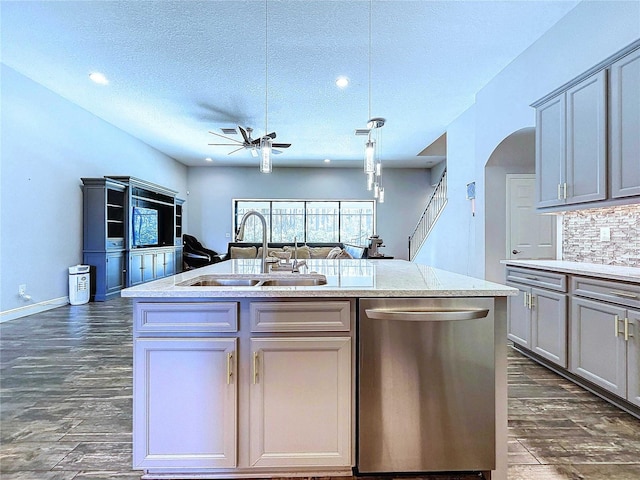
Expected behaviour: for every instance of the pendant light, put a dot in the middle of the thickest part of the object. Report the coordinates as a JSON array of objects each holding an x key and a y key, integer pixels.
[
  {"x": 372, "y": 162},
  {"x": 265, "y": 142}
]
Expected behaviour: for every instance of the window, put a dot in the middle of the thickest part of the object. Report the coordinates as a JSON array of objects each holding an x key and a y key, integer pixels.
[{"x": 348, "y": 221}]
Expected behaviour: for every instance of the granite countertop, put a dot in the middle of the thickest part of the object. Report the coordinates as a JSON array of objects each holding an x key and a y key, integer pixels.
[
  {"x": 345, "y": 278},
  {"x": 610, "y": 272}
]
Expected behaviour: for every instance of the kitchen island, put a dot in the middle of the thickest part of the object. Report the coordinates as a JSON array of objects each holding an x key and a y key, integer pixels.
[{"x": 241, "y": 374}]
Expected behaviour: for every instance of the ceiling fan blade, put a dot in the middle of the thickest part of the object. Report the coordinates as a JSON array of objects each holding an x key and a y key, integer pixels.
[
  {"x": 226, "y": 138},
  {"x": 280, "y": 145},
  {"x": 271, "y": 135},
  {"x": 246, "y": 137},
  {"x": 236, "y": 150}
]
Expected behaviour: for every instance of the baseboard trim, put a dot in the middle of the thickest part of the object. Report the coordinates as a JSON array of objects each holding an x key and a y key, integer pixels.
[{"x": 32, "y": 309}]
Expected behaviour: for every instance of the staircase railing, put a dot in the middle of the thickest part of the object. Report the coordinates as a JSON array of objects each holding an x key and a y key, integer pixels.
[{"x": 429, "y": 217}]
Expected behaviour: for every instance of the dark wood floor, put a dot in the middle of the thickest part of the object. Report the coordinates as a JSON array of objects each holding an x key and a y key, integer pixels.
[{"x": 65, "y": 407}]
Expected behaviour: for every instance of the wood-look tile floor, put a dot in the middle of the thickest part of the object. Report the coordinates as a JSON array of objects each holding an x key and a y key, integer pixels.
[{"x": 65, "y": 407}]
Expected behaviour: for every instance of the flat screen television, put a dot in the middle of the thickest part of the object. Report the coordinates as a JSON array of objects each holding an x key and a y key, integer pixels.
[{"x": 145, "y": 227}]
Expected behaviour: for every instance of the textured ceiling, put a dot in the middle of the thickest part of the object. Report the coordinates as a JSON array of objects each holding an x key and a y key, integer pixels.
[{"x": 178, "y": 69}]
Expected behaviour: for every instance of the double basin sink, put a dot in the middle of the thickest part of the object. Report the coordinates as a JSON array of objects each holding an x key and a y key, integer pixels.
[{"x": 258, "y": 280}]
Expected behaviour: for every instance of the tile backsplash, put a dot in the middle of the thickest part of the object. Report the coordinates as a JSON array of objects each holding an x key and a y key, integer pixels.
[{"x": 581, "y": 231}]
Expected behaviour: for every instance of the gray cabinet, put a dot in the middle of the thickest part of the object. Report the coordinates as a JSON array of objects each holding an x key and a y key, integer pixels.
[
  {"x": 625, "y": 126},
  {"x": 571, "y": 144},
  {"x": 104, "y": 234},
  {"x": 605, "y": 343},
  {"x": 130, "y": 230},
  {"x": 537, "y": 317},
  {"x": 146, "y": 264}
]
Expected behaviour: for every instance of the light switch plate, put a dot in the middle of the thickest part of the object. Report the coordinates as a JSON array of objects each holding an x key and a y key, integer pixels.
[{"x": 605, "y": 234}]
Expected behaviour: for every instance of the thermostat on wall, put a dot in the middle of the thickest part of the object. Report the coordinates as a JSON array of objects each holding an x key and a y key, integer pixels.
[{"x": 471, "y": 190}]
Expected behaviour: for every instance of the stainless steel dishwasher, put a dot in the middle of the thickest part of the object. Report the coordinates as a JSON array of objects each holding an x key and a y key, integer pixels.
[{"x": 426, "y": 385}]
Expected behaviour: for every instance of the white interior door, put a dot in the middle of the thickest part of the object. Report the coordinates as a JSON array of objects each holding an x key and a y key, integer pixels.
[{"x": 529, "y": 234}]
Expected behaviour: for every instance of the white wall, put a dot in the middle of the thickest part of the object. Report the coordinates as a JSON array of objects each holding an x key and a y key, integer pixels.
[
  {"x": 211, "y": 190},
  {"x": 47, "y": 145},
  {"x": 587, "y": 35}
]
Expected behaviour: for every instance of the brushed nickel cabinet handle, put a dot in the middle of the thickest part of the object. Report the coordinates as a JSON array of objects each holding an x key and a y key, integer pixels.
[
  {"x": 559, "y": 191},
  {"x": 616, "y": 320},
  {"x": 526, "y": 302},
  {"x": 229, "y": 367},
  {"x": 531, "y": 278},
  {"x": 255, "y": 368},
  {"x": 623, "y": 294},
  {"x": 564, "y": 188}
]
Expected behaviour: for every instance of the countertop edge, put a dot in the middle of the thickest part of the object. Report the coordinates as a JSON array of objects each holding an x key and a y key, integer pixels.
[{"x": 609, "y": 272}]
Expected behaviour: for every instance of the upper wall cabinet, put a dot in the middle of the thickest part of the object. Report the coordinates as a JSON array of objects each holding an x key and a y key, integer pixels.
[
  {"x": 588, "y": 137},
  {"x": 625, "y": 126},
  {"x": 571, "y": 145}
]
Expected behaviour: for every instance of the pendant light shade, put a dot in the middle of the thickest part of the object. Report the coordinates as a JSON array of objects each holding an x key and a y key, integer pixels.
[
  {"x": 369, "y": 156},
  {"x": 370, "y": 181},
  {"x": 265, "y": 155},
  {"x": 381, "y": 195}
]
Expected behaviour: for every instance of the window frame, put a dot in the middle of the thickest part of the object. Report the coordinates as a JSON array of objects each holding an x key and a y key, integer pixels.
[{"x": 235, "y": 218}]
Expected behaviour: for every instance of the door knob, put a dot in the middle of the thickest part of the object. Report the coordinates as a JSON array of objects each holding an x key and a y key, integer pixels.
[{"x": 515, "y": 252}]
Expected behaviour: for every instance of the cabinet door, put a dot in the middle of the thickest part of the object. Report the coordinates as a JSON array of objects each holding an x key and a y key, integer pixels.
[
  {"x": 550, "y": 151},
  {"x": 169, "y": 263},
  {"x": 135, "y": 269},
  {"x": 633, "y": 357},
  {"x": 549, "y": 325},
  {"x": 115, "y": 272},
  {"x": 624, "y": 115},
  {"x": 598, "y": 348},
  {"x": 587, "y": 140},
  {"x": 148, "y": 266},
  {"x": 159, "y": 263},
  {"x": 184, "y": 413},
  {"x": 300, "y": 402},
  {"x": 519, "y": 317}
]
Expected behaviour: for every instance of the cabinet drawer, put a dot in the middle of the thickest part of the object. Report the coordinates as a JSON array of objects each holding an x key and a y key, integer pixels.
[
  {"x": 538, "y": 278},
  {"x": 186, "y": 317},
  {"x": 115, "y": 243},
  {"x": 626, "y": 294},
  {"x": 300, "y": 316}
]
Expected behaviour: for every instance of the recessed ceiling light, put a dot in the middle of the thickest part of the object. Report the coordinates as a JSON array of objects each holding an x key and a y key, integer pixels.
[
  {"x": 208, "y": 159},
  {"x": 98, "y": 78},
  {"x": 342, "y": 82},
  {"x": 327, "y": 160}
]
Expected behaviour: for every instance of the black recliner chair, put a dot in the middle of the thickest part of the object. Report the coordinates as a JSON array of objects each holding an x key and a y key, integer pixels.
[{"x": 196, "y": 255}]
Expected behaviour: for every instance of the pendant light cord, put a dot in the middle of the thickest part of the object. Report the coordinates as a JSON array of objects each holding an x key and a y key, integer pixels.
[
  {"x": 370, "y": 16},
  {"x": 266, "y": 66}
]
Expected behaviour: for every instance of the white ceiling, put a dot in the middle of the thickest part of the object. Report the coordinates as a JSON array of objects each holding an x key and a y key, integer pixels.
[{"x": 178, "y": 69}]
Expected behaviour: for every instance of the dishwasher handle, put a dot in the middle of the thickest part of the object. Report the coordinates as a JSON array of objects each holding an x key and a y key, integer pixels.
[{"x": 425, "y": 315}]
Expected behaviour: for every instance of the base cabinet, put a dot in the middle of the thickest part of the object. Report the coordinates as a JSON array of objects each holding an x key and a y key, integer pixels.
[
  {"x": 185, "y": 404},
  {"x": 300, "y": 402},
  {"x": 537, "y": 317},
  {"x": 150, "y": 264},
  {"x": 242, "y": 387},
  {"x": 604, "y": 346}
]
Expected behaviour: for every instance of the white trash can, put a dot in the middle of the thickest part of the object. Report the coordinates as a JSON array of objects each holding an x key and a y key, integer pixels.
[{"x": 79, "y": 284}]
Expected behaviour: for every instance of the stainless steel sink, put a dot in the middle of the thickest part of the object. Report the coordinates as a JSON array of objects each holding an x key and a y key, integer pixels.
[
  {"x": 295, "y": 282},
  {"x": 212, "y": 281},
  {"x": 286, "y": 280}
]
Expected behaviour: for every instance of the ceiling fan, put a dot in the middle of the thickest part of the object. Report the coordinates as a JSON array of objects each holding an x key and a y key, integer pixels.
[{"x": 253, "y": 144}]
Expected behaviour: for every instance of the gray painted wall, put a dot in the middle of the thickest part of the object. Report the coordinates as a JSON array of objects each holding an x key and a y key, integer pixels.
[
  {"x": 588, "y": 34},
  {"x": 211, "y": 191},
  {"x": 47, "y": 145}
]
